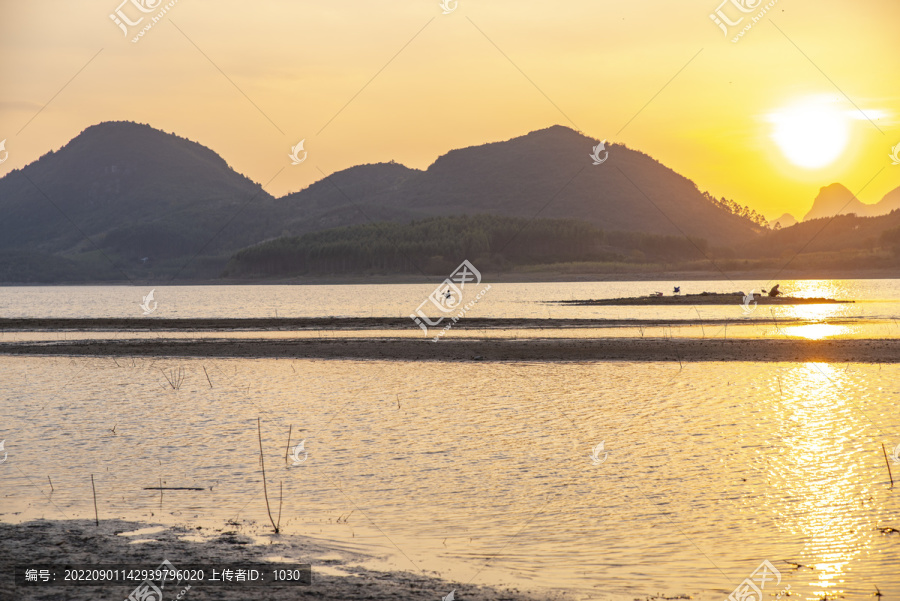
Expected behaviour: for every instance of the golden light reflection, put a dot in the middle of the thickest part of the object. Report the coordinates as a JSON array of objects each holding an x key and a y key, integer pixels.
[
  {"x": 816, "y": 331},
  {"x": 815, "y": 289},
  {"x": 830, "y": 289},
  {"x": 818, "y": 474}
]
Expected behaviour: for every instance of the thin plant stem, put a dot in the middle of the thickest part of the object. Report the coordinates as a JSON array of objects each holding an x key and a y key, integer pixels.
[
  {"x": 96, "y": 513},
  {"x": 888, "y": 464},
  {"x": 288, "y": 448},
  {"x": 262, "y": 463}
]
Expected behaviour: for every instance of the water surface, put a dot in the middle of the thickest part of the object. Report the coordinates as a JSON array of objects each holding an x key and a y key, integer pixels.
[{"x": 707, "y": 469}]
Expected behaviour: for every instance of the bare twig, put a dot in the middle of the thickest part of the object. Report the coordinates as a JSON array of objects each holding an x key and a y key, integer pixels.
[
  {"x": 175, "y": 378},
  {"x": 51, "y": 483},
  {"x": 888, "y": 464},
  {"x": 262, "y": 463},
  {"x": 96, "y": 514},
  {"x": 288, "y": 448},
  {"x": 280, "y": 498}
]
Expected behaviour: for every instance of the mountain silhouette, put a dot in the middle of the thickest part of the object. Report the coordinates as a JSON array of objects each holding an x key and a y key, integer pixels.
[
  {"x": 786, "y": 220},
  {"x": 836, "y": 199},
  {"x": 125, "y": 199},
  {"x": 546, "y": 173},
  {"x": 136, "y": 193}
]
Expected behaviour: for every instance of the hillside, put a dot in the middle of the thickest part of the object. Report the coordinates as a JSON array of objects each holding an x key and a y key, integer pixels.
[
  {"x": 546, "y": 173},
  {"x": 437, "y": 245},
  {"x": 137, "y": 193},
  {"x": 124, "y": 200},
  {"x": 847, "y": 241},
  {"x": 836, "y": 199}
]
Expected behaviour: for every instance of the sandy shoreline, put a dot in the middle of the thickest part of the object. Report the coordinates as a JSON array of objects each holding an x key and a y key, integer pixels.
[
  {"x": 456, "y": 349},
  {"x": 81, "y": 542}
]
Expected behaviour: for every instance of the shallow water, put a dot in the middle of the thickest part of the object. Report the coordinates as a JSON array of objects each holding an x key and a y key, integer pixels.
[
  {"x": 708, "y": 469},
  {"x": 881, "y": 300}
]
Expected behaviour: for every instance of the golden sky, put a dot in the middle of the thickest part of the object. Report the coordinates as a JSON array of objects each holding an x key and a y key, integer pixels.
[{"x": 251, "y": 79}]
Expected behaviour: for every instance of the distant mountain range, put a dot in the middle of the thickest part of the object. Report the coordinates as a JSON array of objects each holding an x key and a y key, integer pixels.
[
  {"x": 786, "y": 220},
  {"x": 836, "y": 199},
  {"x": 546, "y": 173},
  {"x": 124, "y": 200}
]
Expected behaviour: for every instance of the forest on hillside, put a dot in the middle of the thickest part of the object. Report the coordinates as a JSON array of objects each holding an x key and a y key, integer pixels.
[{"x": 437, "y": 245}]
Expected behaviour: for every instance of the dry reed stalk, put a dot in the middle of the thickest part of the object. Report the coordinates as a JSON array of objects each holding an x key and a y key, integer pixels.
[
  {"x": 888, "y": 464},
  {"x": 288, "y": 447},
  {"x": 262, "y": 463},
  {"x": 96, "y": 514}
]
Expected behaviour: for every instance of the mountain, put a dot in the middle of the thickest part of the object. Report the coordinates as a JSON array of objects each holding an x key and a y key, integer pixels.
[
  {"x": 836, "y": 199},
  {"x": 786, "y": 220},
  {"x": 146, "y": 199},
  {"x": 123, "y": 199},
  {"x": 890, "y": 202},
  {"x": 546, "y": 173},
  {"x": 841, "y": 234}
]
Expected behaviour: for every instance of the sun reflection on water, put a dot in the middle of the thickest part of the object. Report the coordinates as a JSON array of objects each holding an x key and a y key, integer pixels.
[
  {"x": 818, "y": 471},
  {"x": 830, "y": 289},
  {"x": 816, "y": 331}
]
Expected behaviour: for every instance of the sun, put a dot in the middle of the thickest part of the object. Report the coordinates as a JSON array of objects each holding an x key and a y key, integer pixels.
[{"x": 811, "y": 133}]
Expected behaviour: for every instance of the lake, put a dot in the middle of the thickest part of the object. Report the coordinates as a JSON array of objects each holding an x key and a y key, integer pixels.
[{"x": 481, "y": 471}]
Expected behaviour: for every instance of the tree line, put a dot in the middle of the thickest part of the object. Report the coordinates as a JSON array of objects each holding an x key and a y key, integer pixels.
[{"x": 438, "y": 244}]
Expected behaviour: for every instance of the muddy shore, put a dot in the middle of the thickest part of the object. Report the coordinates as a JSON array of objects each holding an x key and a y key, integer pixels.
[
  {"x": 349, "y": 323},
  {"x": 597, "y": 349},
  {"x": 81, "y": 542}
]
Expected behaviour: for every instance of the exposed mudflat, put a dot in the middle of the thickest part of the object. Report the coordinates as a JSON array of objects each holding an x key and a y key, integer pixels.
[
  {"x": 338, "y": 578},
  {"x": 580, "y": 349},
  {"x": 344, "y": 323}
]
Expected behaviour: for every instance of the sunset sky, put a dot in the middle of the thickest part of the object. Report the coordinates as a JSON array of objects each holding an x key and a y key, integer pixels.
[{"x": 766, "y": 121}]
